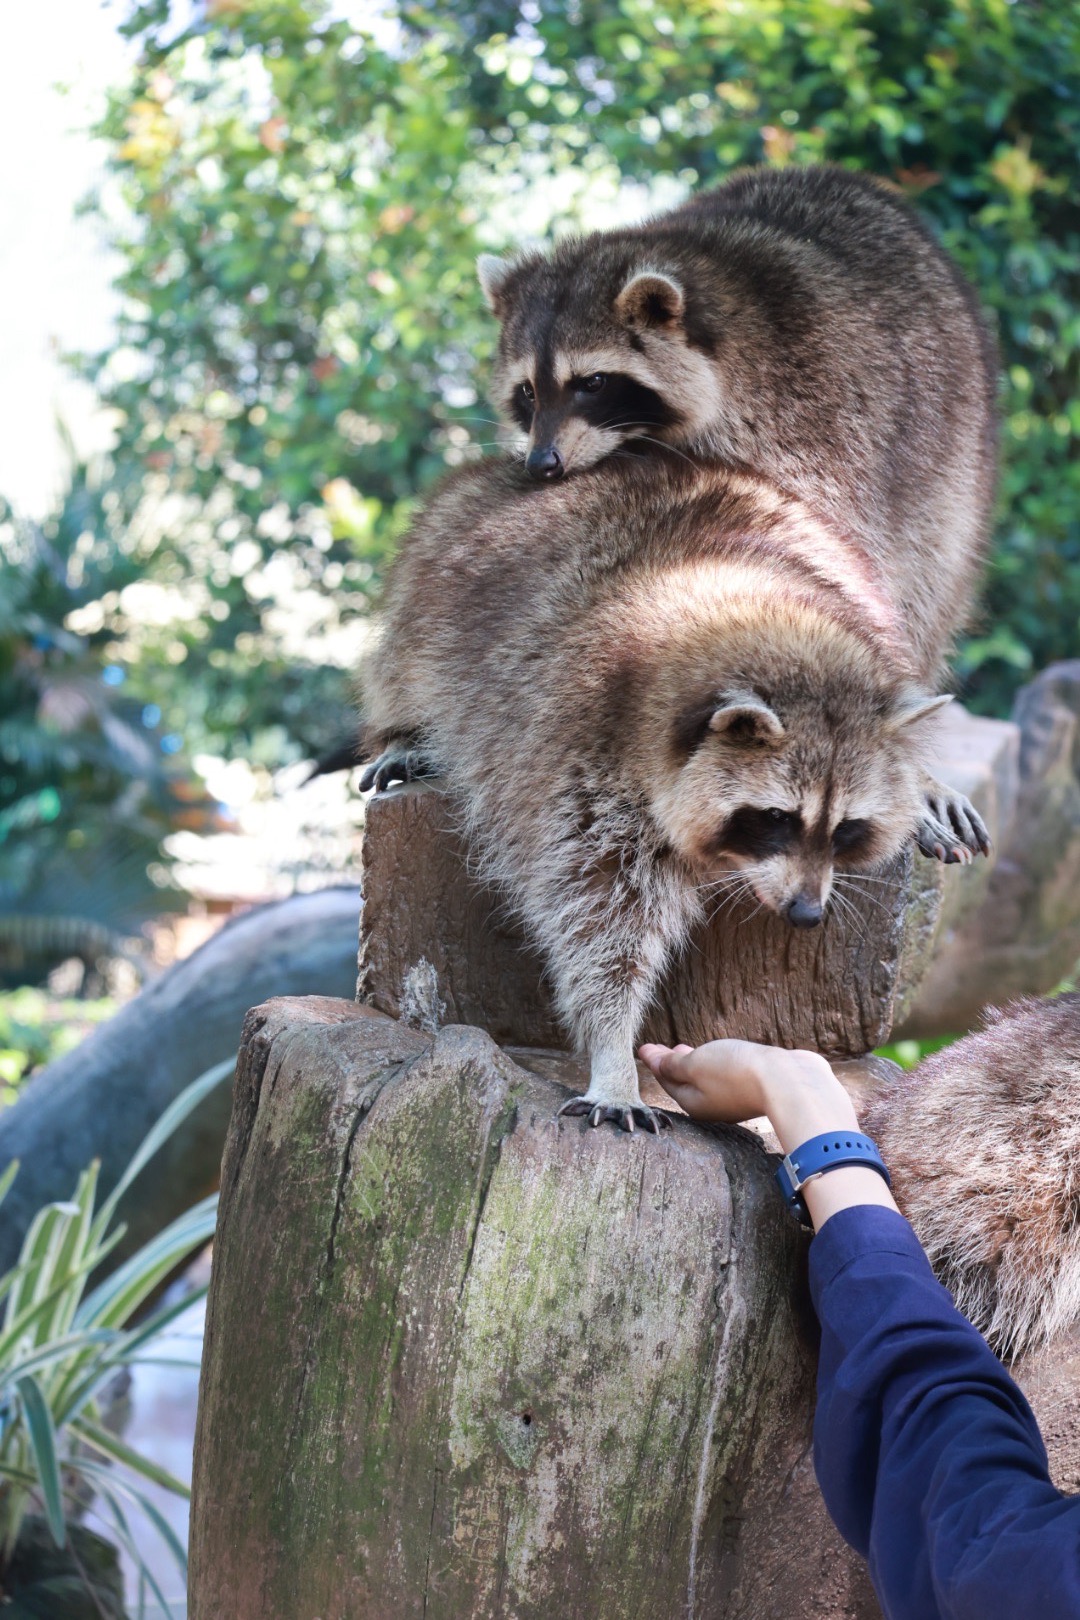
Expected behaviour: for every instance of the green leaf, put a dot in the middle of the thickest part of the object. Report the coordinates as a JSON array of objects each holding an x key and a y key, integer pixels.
[
  {"x": 108, "y": 1486},
  {"x": 42, "y": 1434},
  {"x": 114, "y": 1301},
  {"x": 110, "y": 1445},
  {"x": 173, "y": 1117}
]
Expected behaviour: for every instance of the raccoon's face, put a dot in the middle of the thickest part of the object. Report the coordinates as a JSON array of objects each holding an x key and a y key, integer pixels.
[
  {"x": 789, "y": 811},
  {"x": 591, "y": 356}
]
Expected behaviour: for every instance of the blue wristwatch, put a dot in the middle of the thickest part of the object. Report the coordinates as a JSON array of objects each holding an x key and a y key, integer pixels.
[{"x": 820, "y": 1155}]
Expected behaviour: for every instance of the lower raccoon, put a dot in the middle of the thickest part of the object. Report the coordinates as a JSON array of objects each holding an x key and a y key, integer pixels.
[
  {"x": 654, "y": 683},
  {"x": 1001, "y": 1110},
  {"x": 801, "y": 323}
]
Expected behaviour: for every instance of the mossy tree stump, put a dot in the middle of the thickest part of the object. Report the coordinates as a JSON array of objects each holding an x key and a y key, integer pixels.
[{"x": 463, "y": 1360}]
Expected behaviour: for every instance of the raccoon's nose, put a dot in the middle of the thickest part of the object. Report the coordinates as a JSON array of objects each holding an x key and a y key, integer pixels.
[
  {"x": 802, "y": 912},
  {"x": 546, "y": 463}
]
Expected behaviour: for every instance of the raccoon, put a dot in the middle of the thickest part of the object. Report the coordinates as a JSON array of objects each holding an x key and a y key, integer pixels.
[
  {"x": 801, "y": 324},
  {"x": 653, "y": 684},
  {"x": 1002, "y": 1109}
]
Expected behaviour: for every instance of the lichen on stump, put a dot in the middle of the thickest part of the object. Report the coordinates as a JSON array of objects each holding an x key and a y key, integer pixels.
[{"x": 465, "y": 1361}]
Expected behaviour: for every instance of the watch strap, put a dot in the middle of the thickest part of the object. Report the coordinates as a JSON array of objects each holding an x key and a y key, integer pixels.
[{"x": 816, "y": 1157}]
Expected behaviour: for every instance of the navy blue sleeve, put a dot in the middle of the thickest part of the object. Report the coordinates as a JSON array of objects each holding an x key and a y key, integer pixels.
[{"x": 928, "y": 1456}]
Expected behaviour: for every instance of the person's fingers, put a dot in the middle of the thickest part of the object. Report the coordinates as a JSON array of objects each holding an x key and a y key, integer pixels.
[{"x": 663, "y": 1060}]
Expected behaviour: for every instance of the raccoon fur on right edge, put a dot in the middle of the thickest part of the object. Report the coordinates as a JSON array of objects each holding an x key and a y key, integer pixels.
[{"x": 983, "y": 1144}]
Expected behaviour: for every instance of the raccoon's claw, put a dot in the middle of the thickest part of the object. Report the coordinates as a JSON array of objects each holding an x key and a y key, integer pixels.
[
  {"x": 951, "y": 829},
  {"x": 396, "y": 765},
  {"x": 627, "y": 1118}
]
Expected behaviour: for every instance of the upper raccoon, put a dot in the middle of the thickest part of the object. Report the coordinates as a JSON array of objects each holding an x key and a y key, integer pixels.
[
  {"x": 800, "y": 323},
  {"x": 652, "y": 680}
]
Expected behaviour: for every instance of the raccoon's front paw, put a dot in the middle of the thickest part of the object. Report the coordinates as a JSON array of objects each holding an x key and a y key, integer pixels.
[
  {"x": 627, "y": 1116},
  {"x": 397, "y": 763},
  {"x": 951, "y": 829}
]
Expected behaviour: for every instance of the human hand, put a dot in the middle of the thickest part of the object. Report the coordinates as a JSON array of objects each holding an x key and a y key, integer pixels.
[{"x": 730, "y": 1081}]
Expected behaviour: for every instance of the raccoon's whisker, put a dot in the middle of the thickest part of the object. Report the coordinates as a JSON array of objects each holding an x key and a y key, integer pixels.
[
  {"x": 728, "y": 903},
  {"x": 734, "y": 893},
  {"x": 851, "y": 911},
  {"x": 645, "y": 438},
  {"x": 848, "y": 913},
  {"x": 872, "y": 899}
]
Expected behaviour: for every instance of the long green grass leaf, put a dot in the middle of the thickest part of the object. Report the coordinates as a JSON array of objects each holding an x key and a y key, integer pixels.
[
  {"x": 110, "y": 1445},
  {"x": 138, "y": 1498},
  {"x": 7, "y": 1178},
  {"x": 74, "y": 1246},
  {"x": 42, "y": 1434},
  {"x": 109, "y": 1487},
  {"x": 71, "y": 1346},
  {"x": 33, "y": 1314},
  {"x": 78, "y": 1388},
  {"x": 116, "y": 1300},
  {"x": 173, "y": 1117},
  {"x": 123, "y": 1529},
  {"x": 35, "y": 1257}
]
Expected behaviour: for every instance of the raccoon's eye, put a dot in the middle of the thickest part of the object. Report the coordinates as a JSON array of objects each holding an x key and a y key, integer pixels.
[
  {"x": 775, "y": 814},
  {"x": 590, "y": 385},
  {"x": 526, "y": 391},
  {"x": 850, "y": 837}
]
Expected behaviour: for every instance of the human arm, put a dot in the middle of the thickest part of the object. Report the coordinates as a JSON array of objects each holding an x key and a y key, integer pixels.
[{"x": 928, "y": 1456}]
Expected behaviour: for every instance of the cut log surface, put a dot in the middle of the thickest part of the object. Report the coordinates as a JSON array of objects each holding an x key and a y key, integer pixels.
[{"x": 465, "y": 1361}]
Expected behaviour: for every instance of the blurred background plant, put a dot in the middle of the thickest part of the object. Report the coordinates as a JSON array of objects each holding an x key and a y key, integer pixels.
[{"x": 90, "y": 784}]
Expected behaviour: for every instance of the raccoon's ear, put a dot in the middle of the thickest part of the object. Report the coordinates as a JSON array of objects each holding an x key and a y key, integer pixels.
[
  {"x": 651, "y": 299},
  {"x": 493, "y": 273},
  {"x": 747, "y": 721},
  {"x": 913, "y": 707}
]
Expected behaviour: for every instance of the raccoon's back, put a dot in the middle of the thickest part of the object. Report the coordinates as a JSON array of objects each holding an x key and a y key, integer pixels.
[{"x": 515, "y": 611}]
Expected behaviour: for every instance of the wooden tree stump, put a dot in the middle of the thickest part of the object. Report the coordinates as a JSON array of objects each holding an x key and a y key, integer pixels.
[{"x": 465, "y": 1361}]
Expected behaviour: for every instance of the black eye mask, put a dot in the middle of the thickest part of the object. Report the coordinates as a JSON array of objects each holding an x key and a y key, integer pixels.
[
  {"x": 758, "y": 834},
  {"x": 621, "y": 405}
]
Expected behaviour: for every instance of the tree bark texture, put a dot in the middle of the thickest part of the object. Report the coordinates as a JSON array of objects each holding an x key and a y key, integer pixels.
[
  {"x": 1023, "y": 935},
  {"x": 438, "y": 947},
  {"x": 100, "y": 1100},
  {"x": 465, "y": 1361}
]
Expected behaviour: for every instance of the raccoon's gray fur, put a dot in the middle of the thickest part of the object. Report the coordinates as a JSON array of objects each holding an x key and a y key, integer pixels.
[
  {"x": 799, "y": 323},
  {"x": 983, "y": 1142},
  {"x": 652, "y": 684}
]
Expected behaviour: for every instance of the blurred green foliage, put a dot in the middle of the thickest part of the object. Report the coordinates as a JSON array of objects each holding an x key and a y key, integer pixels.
[
  {"x": 90, "y": 783},
  {"x": 36, "y": 1027},
  {"x": 303, "y": 347}
]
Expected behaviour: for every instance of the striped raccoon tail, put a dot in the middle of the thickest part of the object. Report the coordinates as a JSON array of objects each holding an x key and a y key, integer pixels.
[{"x": 983, "y": 1142}]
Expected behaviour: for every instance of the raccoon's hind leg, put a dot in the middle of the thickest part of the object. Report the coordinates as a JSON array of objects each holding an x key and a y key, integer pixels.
[
  {"x": 950, "y": 828},
  {"x": 402, "y": 760}
]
